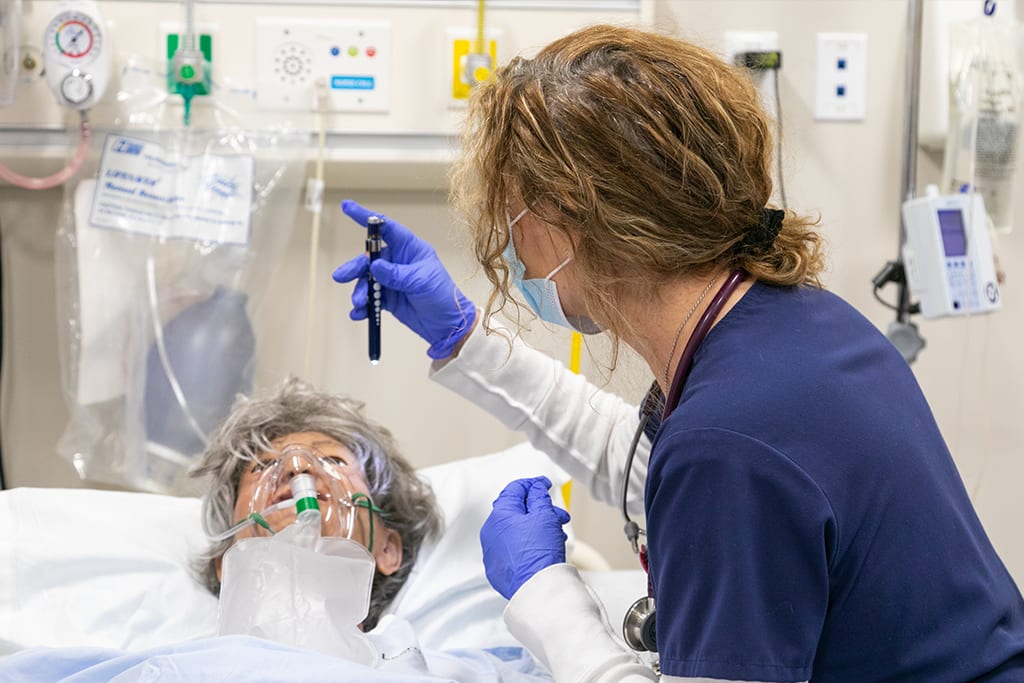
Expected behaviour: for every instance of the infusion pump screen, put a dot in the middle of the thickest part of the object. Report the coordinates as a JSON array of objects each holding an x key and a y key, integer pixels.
[{"x": 951, "y": 224}]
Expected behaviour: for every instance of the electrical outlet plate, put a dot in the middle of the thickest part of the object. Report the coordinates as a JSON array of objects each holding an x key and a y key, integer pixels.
[
  {"x": 460, "y": 44},
  {"x": 351, "y": 58},
  {"x": 841, "y": 77},
  {"x": 737, "y": 42}
]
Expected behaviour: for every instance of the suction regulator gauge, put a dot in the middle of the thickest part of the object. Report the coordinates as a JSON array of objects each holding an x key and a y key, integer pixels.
[
  {"x": 74, "y": 37},
  {"x": 76, "y": 57}
]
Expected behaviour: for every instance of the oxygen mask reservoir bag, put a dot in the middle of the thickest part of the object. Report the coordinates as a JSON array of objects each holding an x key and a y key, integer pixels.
[{"x": 300, "y": 577}]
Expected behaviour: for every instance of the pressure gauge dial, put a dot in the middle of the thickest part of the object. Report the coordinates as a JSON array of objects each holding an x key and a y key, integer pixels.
[
  {"x": 77, "y": 62},
  {"x": 76, "y": 88},
  {"x": 73, "y": 36}
]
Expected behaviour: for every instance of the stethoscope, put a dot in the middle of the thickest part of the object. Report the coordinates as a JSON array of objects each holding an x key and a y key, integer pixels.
[{"x": 638, "y": 627}]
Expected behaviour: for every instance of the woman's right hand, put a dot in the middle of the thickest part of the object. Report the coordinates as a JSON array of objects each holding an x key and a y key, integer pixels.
[{"x": 417, "y": 288}]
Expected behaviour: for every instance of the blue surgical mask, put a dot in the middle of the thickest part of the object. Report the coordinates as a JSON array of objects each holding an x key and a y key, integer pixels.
[{"x": 542, "y": 294}]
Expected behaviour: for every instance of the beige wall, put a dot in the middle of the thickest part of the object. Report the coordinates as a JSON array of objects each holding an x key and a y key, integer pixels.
[{"x": 971, "y": 370}]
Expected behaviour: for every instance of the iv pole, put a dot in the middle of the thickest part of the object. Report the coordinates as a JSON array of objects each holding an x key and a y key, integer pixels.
[{"x": 901, "y": 332}]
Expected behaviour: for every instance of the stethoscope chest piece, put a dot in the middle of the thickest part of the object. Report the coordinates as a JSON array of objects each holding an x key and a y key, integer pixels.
[{"x": 638, "y": 628}]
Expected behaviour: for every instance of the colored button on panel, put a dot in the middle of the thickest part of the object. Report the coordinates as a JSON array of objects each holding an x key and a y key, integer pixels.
[
  {"x": 335, "y": 51},
  {"x": 371, "y": 51},
  {"x": 353, "y": 51}
]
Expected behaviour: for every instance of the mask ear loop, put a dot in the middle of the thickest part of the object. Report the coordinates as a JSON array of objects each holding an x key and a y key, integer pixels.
[
  {"x": 563, "y": 264},
  {"x": 361, "y": 500},
  {"x": 512, "y": 221}
]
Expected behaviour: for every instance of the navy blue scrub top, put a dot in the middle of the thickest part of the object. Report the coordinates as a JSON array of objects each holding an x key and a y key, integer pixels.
[{"x": 806, "y": 520}]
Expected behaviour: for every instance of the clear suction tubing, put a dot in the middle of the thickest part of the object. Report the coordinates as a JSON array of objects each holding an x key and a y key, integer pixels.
[{"x": 305, "y": 486}]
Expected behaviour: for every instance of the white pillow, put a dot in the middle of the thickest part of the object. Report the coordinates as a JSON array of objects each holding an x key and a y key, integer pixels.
[
  {"x": 447, "y": 598},
  {"x": 82, "y": 567},
  {"x": 100, "y": 568}
]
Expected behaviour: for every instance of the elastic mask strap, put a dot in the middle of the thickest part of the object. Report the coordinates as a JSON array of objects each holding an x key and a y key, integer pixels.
[
  {"x": 513, "y": 221},
  {"x": 361, "y": 500},
  {"x": 563, "y": 264}
]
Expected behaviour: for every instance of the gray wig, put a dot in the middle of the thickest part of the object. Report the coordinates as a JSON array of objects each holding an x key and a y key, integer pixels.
[{"x": 253, "y": 424}]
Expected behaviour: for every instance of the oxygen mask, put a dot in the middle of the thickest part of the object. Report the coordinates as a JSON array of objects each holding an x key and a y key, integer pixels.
[
  {"x": 301, "y": 482},
  {"x": 304, "y": 574}
]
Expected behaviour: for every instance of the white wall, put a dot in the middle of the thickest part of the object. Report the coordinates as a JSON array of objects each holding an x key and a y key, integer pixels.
[{"x": 849, "y": 172}]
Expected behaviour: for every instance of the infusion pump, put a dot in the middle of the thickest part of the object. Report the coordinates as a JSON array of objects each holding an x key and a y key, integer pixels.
[{"x": 947, "y": 255}]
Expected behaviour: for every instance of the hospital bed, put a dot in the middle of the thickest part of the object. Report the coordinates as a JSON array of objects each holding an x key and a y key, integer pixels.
[{"x": 82, "y": 567}]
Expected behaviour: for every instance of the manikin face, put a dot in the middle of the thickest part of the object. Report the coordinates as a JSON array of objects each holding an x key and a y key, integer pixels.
[{"x": 387, "y": 544}]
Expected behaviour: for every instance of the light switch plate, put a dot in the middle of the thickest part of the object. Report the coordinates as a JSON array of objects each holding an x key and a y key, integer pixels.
[{"x": 841, "y": 79}]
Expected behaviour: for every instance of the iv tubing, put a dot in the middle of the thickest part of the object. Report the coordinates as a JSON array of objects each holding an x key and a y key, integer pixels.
[
  {"x": 60, "y": 177},
  {"x": 158, "y": 333},
  {"x": 314, "y": 239}
]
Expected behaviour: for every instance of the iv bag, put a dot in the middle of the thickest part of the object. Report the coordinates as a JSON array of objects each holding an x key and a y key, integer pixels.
[
  {"x": 986, "y": 90},
  {"x": 10, "y": 49}
]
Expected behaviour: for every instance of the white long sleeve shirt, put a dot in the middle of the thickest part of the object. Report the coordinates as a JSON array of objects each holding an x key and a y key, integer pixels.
[
  {"x": 587, "y": 432},
  {"x": 583, "y": 429}
]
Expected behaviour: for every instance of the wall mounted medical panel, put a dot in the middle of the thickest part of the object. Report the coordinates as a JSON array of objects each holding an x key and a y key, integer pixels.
[{"x": 389, "y": 122}]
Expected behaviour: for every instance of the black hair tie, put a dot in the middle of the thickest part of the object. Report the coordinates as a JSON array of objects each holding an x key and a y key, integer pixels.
[{"x": 760, "y": 238}]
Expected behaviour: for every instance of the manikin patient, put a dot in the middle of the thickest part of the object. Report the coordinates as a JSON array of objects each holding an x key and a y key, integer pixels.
[
  {"x": 369, "y": 500},
  {"x": 366, "y": 492},
  {"x": 366, "y": 489}
]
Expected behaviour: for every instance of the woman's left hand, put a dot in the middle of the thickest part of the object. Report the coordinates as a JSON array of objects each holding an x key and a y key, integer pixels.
[{"x": 522, "y": 535}]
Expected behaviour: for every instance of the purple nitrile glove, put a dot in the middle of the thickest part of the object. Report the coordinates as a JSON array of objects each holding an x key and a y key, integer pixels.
[
  {"x": 522, "y": 535},
  {"x": 417, "y": 288}
]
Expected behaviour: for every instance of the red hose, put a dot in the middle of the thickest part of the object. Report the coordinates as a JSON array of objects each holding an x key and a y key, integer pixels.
[{"x": 58, "y": 178}]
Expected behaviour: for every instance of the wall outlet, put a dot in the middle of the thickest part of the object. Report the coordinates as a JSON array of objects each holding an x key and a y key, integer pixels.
[
  {"x": 841, "y": 80},
  {"x": 460, "y": 45},
  {"x": 198, "y": 76},
  {"x": 737, "y": 42}
]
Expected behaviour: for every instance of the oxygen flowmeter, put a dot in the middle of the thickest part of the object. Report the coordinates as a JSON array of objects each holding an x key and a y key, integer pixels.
[
  {"x": 76, "y": 56},
  {"x": 948, "y": 255}
]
